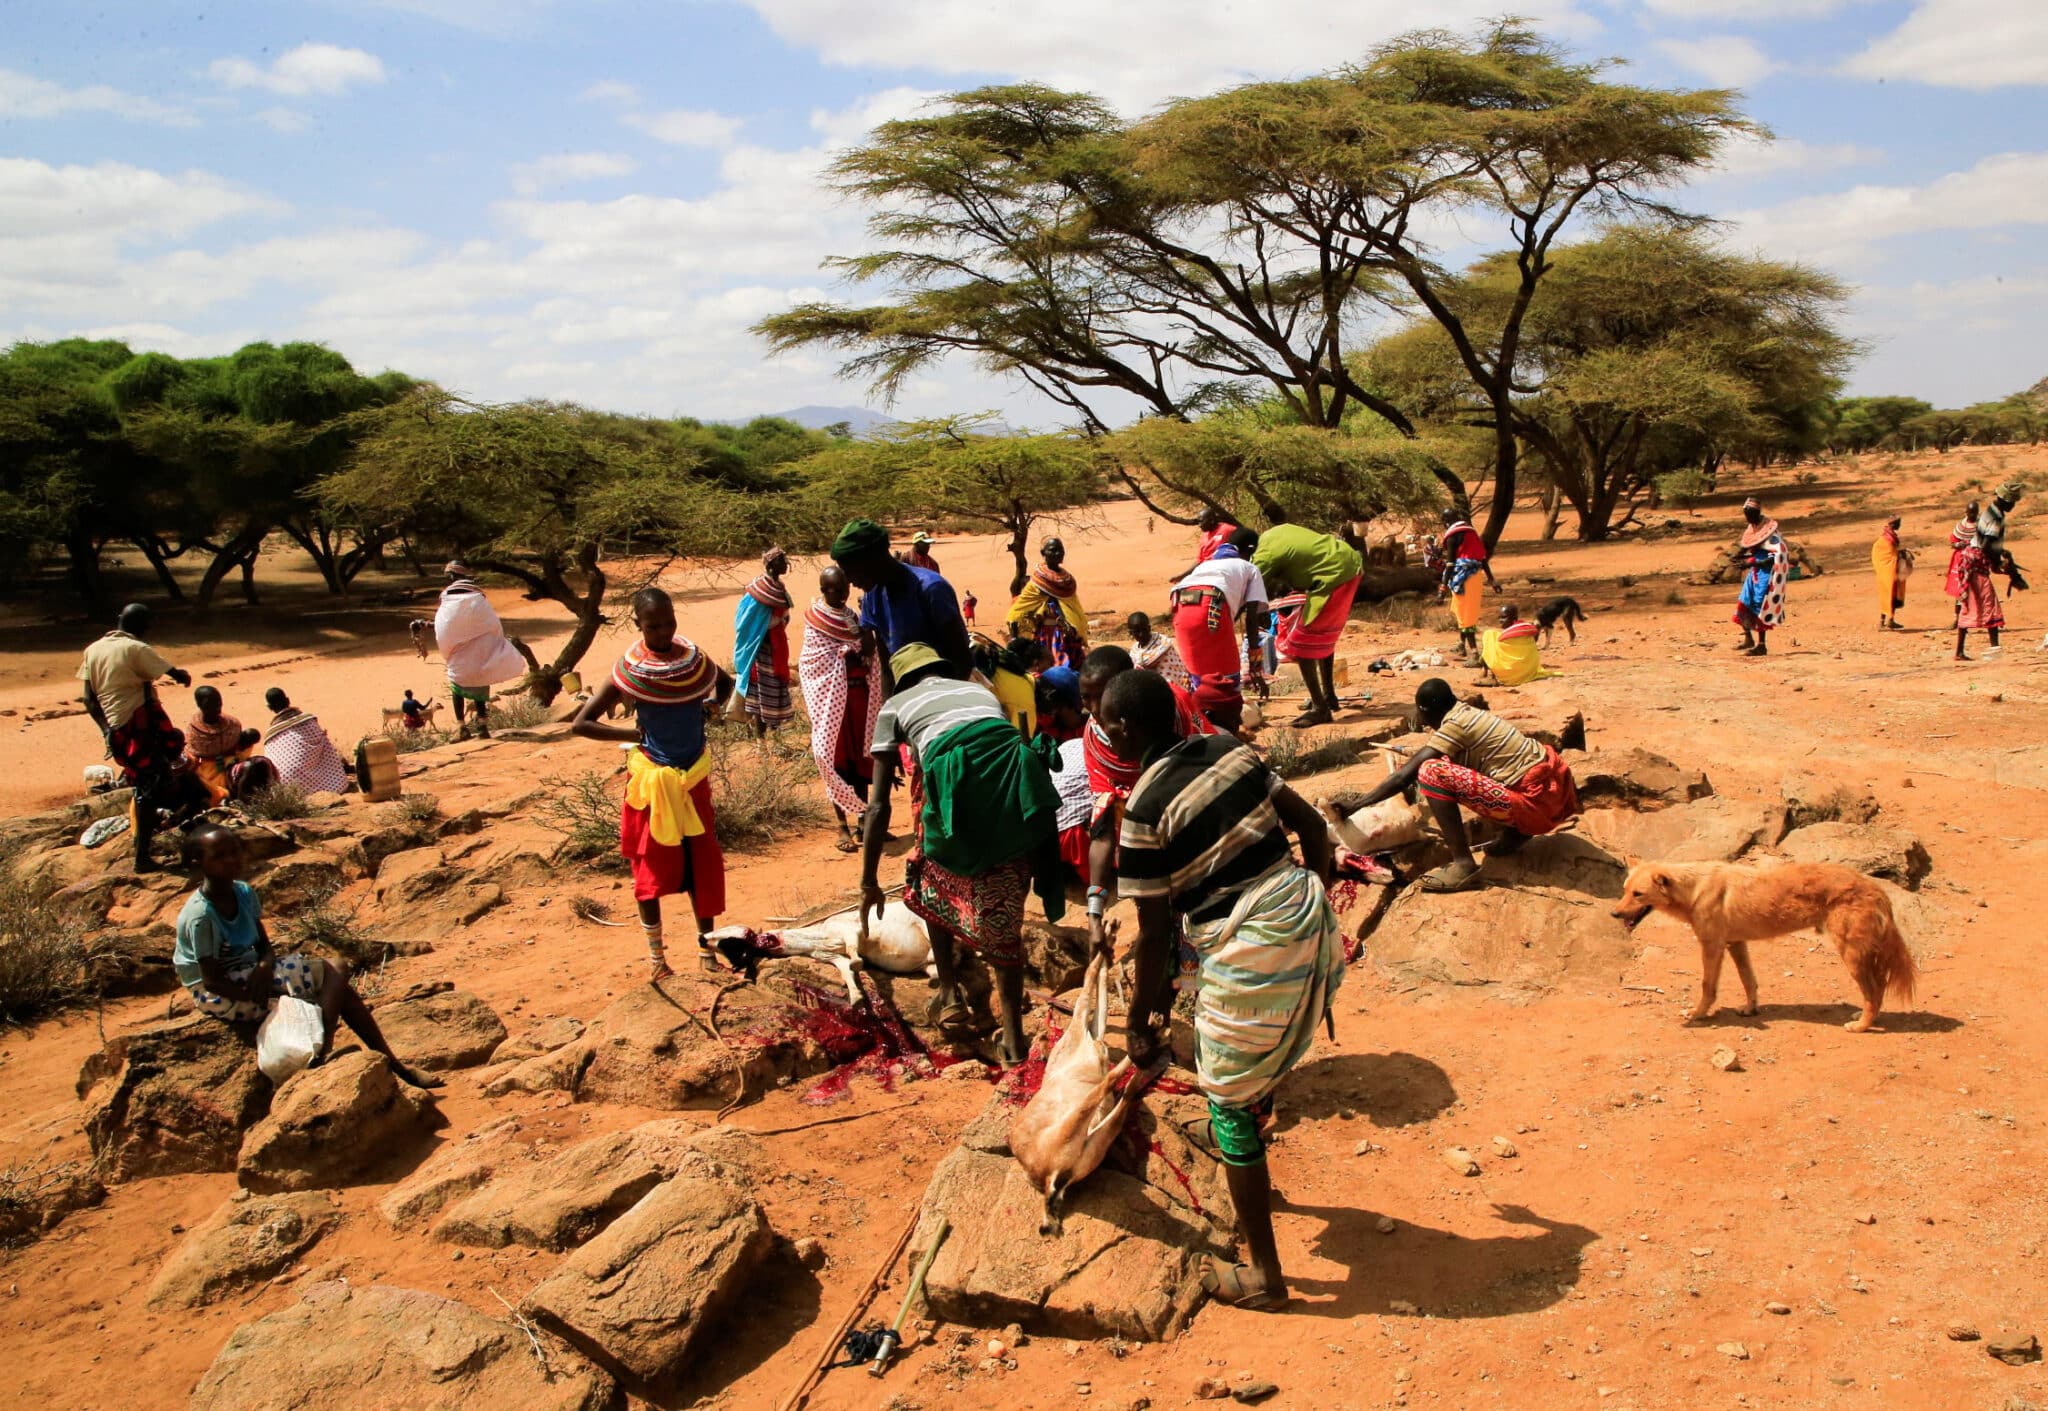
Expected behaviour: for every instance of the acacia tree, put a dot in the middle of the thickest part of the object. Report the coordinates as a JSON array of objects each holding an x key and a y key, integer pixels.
[
  {"x": 1647, "y": 351},
  {"x": 542, "y": 493},
  {"x": 954, "y": 468},
  {"x": 1234, "y": 245}
]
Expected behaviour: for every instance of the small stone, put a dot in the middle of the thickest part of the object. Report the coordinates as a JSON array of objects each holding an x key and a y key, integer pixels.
[
  {"x": 1460, "y": 1160},
  {"x": 1866, "y": 1219},
  {"x": 1385, "y": 1225},
  {"x": 810, "y": 1253},
  {"x": 1402, "y": 1374},
  {"x": 1781, "y": 1309},
  {"x": 1503, "y": 1147},
  {"x": 972, "y": 1070},
  {"x": 1084, "y": 1389},
  {"x": 1778, "y": 1193},
  {"x": 1701, "y": 1251},
  {"x": 1724, "y": 1059},
  {"x": 2014, "y": 1349},
  {"x": 1139, "y": 1403},
  {"x": 1252, "y": 1393},
  {"x": 1733, "y": 1349},
  {"x": 1962, "y": 1332},
  {"x": 1402, "y": 1307},
  {"x": 1212, "y": 1389}
]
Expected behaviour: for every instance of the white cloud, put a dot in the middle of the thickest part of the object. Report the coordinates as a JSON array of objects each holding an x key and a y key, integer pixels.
[
  {"x": 112, "y": 200},
  {"x": 1718, "y": 10},
  {"x": 1751, "y": 158},
  {"x": 1133, "y": 52},
  {"x": 1727, "y": 60},
  {"x": 610, "y": 90},
  {"x": 285, "y": 120},
  {"x": 1962, "y": 44},
  {"x": 26, "y": 96},
  {"x": 302, "y": 72},
  {"x": 687, "y": 127},
  {"x": 1844, "y": 227},
  {"x": 564, "y": 168}
]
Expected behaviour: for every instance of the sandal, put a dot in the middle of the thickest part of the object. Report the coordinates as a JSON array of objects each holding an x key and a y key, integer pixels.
[
  {"x": 1452, "y": 877},
  {"x": 1200, "y": 1133},
  {"x": 1226, "y": 1283},
  {"x": 956, "y": 1021},
  {"x": 707, "y": 958}
]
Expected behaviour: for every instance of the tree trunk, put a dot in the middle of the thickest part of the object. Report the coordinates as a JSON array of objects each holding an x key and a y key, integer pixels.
[
  {"x": 238, "y": 552},
  {"x": 249, "y": 578},
  {"x": 1504, "y": 453},
  {"x": 1020, "y": 541},
  {"x": 83, "y": 551},
  {"x": 1553, "y": 510},
  {"x": 153, "y": 550}
]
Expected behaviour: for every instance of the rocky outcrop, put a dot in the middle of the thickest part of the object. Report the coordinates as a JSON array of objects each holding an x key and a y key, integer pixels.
[
  {"x": 441, "y": 1028},
  {"x": 1824, "y": 798},
  {"x": 1634, "y": 778},
  {"x": 300, "y": 882},
  {"x": 1127, "y": 1262},
  {"x": 1870, "y": 848},
  {"x": 244, "y": 1242},
  {"x": 35, "y": 1201},
  {"x": 639, "y": 1298},
  {"x": 453, "y": 1172},
  {"x": 536, "y": 1039},
  {"x": 651, "y": 1050},
  {"x": 557, "y": 1202},
  {"x": 171, "y": 1098},
  {"x": 389, "y": 1347},
  {"x": 1713, "y": 829},
  {"x": 331, "y": 1124},
  {"x": 1539, "y": 919}
]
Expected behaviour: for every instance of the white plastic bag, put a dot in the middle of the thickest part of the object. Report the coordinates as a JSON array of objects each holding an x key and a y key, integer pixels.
[{"x": 290, "y": 1037}]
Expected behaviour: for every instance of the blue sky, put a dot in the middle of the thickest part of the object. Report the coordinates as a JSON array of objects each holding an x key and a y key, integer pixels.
[{"x": 594, "y": 199}]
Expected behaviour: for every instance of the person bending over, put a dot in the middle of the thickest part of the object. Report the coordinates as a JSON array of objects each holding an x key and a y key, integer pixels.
[
  {"x": 1480, "y": 762},
  {"x": 224, "y": 958},
  {"x": 1205, "y": 835}
]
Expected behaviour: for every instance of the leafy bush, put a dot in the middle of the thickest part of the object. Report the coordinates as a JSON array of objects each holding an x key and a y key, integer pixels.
[
  {"x": 584, "y": 809},
  {"x": 1683, "y": 488}
]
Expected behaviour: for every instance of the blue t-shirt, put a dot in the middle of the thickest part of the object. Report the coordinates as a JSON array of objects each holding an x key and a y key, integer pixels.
[
  {"x": 203, "y": 933},
  {"x": 671, "y": 735},
  {"x": 910, "y": 605}
]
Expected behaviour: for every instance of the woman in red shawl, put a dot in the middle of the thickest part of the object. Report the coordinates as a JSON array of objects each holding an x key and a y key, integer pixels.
[{"x": 760, "y": 654}]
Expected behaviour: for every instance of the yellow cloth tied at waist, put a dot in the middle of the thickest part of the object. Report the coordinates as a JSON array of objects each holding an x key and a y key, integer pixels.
[{"x": 664, "y": 791}]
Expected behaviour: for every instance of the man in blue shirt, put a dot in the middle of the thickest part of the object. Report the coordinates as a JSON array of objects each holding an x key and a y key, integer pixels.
[{"x": 900, "y": 604}]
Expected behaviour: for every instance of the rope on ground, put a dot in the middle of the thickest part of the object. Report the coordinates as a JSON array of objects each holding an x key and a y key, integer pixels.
[{"x": 824, "y": 1121}]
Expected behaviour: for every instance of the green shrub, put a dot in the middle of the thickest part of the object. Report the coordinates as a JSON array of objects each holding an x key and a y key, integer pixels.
[{"x": 1683, "y": 488}]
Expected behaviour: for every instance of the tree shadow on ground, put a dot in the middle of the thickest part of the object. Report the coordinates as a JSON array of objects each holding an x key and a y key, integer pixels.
[
  {"x": 1907, "y": 1021},
  {"x": 783, "y": 1299},
  {"x": 1443, "y": 1274},
  {"x": 1388, "y": 1089}
]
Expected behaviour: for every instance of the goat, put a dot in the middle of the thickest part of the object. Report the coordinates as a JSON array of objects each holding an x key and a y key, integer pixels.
[
  {"x": 897, "y": 943},
  {"x": 1386, "y": 825},
  {"x": 1064, "y": 1132},
  {"x": 395, "y": 719}
]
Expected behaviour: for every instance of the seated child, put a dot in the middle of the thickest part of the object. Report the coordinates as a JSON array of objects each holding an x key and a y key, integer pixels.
[{"x": 224, "y": 958}]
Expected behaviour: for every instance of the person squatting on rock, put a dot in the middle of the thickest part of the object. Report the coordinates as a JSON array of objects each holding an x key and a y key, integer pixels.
[
  {"x": 1204, "y": 835},
  {"x": 224, "y": 958},
  {"x": 986, "y": 831},
  {"x": 666, "y": 825},
  {"x": 119, "y": 672},
  {"x": 1480, "y": 762}
]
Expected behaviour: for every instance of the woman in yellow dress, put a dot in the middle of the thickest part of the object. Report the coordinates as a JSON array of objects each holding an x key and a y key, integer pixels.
[{"x": 1891, "y": 564}]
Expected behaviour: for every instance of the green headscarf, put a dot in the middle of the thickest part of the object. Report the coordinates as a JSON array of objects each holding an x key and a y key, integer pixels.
[
  {"x": 860, "y": 538},
  {"x": 2009, "y": 492}
]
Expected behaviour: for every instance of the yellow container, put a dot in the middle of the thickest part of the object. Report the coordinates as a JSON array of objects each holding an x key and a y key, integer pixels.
[{"x": 377, "y": 769}]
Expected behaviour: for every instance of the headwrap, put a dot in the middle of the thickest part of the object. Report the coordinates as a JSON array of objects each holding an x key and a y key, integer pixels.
[
  {"x": 920, "y": 538},
  {"x": 1061, "y": 684},
  {"x": 1225, "y": 551},
  {"x": 1753, "y": 503},
  {"x": 2009, "y": 492},
  {"x": 911, "y": 656},
  {"x": 859, "y": 538},
  {"x": 772, "y": 553},
  {"x": 457, "y": 567},
  {"x": 679, "y": 676}
]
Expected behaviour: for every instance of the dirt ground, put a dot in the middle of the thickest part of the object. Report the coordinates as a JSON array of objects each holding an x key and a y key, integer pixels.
[{"x": 1881, "y": 1186}]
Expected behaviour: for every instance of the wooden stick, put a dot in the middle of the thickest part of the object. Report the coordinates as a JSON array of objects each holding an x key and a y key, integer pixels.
[
  {"x": 802, "y": 1394},
  {"x": 824, "y": 1121}
]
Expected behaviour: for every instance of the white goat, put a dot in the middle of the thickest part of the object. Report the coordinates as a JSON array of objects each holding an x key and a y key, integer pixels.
[{"x": 896, "y": 944}]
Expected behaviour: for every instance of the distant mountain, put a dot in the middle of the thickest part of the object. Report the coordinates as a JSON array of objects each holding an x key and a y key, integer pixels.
[{"x": 817, "y": 418}]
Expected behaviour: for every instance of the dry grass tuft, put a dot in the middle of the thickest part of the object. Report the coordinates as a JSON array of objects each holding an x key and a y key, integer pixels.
[
  {"x": 45, "y": 954},
  {"x": 584, "y": 809},
  {"x": 277, "y": 803}
]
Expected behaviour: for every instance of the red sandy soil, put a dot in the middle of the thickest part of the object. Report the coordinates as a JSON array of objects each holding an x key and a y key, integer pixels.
[{"x": 1656, "y": 1204}]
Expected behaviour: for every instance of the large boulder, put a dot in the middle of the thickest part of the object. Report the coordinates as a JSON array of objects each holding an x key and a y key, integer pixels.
[
  {"x": 171, "y": 1098},
  {"x": 1539, "y": 918},
  {"x": 442, "y": 1029},
  {"x": 1634, "y": 778},
  {"x": 1713, "y": 829},
  {"x": 557, "y": 1202},
  {"x": 38, "y": 1200},
  {"x": 244, "y": 1242},
  {"x": 397, "y": 1348},
  {"x": 648, "y": 1049},
  {"x": 1870, "y": 848},
  {"x": 638, "y": 1298},
  {"x": 452, "y": 1172},
  {"x": 331, "y": 1124}
]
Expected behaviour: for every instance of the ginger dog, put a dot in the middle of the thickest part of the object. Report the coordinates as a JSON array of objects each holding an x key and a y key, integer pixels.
[{"x": 1728, "y": 907}]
